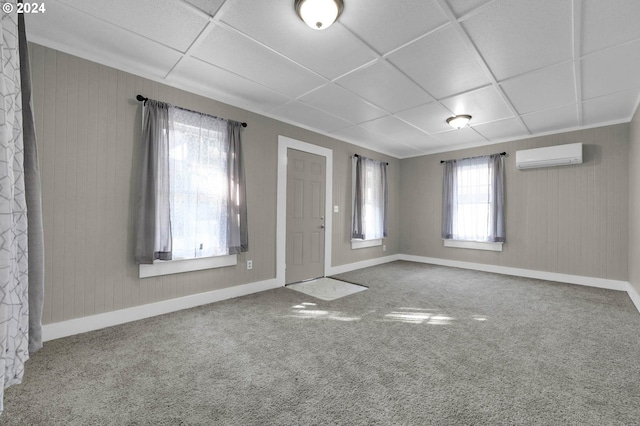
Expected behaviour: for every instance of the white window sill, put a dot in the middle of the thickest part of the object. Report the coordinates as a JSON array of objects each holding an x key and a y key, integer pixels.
[
  {"x": 474, "y": 245},
  {"x": 167, "y": 267},
  {"x": 358, "y": 244}
]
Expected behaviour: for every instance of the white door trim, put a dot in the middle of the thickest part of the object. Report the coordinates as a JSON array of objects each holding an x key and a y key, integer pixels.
[{"x": 284, "y": 143}]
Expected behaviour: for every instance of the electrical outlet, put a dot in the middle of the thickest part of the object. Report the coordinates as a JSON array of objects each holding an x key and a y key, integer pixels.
[
  {"x": 336, "y": 209},
  {"x": 384, "y": 247},
  {"x": 249, "y": 264}
]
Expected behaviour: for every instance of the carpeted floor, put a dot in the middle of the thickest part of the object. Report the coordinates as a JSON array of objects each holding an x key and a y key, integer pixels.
[{"x": 423, "y": 345}]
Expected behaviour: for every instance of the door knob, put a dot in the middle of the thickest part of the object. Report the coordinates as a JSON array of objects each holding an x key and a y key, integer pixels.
[{"x": 322, "y": 226}]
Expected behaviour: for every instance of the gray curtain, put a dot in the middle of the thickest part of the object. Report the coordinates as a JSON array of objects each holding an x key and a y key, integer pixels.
[
  {"x": 449, "y": 186},
  {"x": 495, "y": 230},
  {"x": 237, "y": 228},
  {"x": 369, "y": 191},
  {"x": 496, "y": 199},
  {"x": 33, "y": 195},
  {"x": 153, "y": 230}
]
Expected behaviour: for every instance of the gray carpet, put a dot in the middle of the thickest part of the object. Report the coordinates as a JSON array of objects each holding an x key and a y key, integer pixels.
[{"x": 424, "y": 345}]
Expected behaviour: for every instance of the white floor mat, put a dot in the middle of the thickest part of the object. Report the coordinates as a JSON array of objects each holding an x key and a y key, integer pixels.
[{"x": 326, "y": 288}]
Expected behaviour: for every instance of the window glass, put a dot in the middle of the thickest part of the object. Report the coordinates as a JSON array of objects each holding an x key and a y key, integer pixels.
[{"x": 199, "y": 190}]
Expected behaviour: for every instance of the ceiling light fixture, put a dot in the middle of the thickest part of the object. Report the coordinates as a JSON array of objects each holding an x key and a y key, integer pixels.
[
  {"x": 319, "y": 14},
  {"x": 459, "y": 121}
]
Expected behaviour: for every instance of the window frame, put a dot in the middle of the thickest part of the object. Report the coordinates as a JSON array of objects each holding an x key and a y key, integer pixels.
[
  {"x": 186, "y": 264},
  {"x": 176, "y": 266},
  {"x": 357, "y": 243},
  {"x": 473, "y": 243}
]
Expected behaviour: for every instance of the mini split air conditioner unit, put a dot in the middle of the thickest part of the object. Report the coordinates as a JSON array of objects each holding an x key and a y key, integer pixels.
[{"x": 559, "y": 155}]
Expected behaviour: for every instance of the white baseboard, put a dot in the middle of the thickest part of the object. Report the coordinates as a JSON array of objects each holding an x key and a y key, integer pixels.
[
  {"x": 95, "y": 322},
  {"x": 108, "y": 319},
  {"x": 635, "y": 297},
  {"x": 363, "y": 264},
  {"x": 527, "y": 273}
]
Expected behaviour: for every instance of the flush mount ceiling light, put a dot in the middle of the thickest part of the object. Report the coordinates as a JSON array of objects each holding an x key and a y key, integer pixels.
[
  {"x": 459, "y": 121},
  {"x": 319, "y": 14}
]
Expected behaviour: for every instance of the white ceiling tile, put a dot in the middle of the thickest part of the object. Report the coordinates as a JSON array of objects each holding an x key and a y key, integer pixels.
[
  {"x": 298, "y": 112},
  {"x": 482, "y": 105},
  {"x": 619, "y": 106},
  {"x": 384, "y": 86},
  {"x": 564, "y": 117},
  {"x": 236, "y": 53},
  {"x": 611, "y": 71},
  {"x": 224, "y": 86},
  {"x": 165, "y": 21},
  {"x": 359, "y": 133},
  {"x": 360, "y": 136},
  {"x": 398, "y": 131},
  {"x": 544, "y": 89},
  {"x": 404, "y": 20},
  {"x": 118, "y": 48},
  {"x": 404, "y": 151},
  {"x": 462, "y": 7},
  {"x": 342, "y": 103},
  {"x": 331, "y": 52},
  {"x": 503, "y": 129},
  {"x": 430, "y": 117},
  {"x": 208, "y": 6},
  {"x": 441, "y": 64},
  {"x": 515, "y": 37},
  {"x": 607, "y": 23},
  {"x": 462, "y": 136}
]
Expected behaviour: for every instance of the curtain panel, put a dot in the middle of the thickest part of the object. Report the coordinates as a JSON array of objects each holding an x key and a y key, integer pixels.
[
  {"x": 369, "y": 199},
  {"x": 14, "y": 268},
  {"x": 473, "y": 199},
  {"x": 237, "y": 228},
  {"x": 153, "y": 230},
  {"x": 33, "y": 195}
]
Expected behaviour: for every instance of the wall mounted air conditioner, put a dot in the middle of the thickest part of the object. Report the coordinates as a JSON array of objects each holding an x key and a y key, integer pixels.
[{"x": 559, "y": 155}]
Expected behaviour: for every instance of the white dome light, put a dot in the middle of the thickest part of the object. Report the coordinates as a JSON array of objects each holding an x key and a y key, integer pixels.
[
  {"x": 459, "y": 121},
  {"x": 319, "y": 14}
]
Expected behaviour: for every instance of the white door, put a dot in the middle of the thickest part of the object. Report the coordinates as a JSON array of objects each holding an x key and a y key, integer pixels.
[{"x": 306, "y": 177}]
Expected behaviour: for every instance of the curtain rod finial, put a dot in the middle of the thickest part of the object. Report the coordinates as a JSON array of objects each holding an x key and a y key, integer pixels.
[{"x": 141, "y": 98}]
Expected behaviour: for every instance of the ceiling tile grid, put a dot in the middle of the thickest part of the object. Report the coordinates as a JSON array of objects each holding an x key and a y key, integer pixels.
[
  {"x": 220, "y": 47},
  {"x": 386, "y": 74},
  {"x": 440, "y": 63},
  {"x": 337, "y": 100},
  {"x": 166, "y": 21},
  {"x": 385, "y": 86}
]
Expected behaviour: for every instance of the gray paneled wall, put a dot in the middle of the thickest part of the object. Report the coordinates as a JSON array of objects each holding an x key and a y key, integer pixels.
[
  {"x": 88, "y": 126},
  {"x": 570, "y": 220},
  {"x": 634, "y": 202}
]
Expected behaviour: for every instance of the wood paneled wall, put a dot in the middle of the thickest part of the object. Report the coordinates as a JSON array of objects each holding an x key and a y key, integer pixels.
[
  {"x": 571, "y": 220},
  {"x": 634, "y": 202},
  {"x": 88, "y": 126}
]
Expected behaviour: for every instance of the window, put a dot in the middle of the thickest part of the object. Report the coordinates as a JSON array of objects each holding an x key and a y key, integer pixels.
[
  {"x": 191, "y": 205},
  {"x": 473, "y": 200},
  {"x": 369, "y": 195},
  {"x": 198, "y": 152}
]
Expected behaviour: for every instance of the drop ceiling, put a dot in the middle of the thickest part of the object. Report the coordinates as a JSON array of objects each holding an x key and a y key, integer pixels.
[{"x": 388, "y": 74}]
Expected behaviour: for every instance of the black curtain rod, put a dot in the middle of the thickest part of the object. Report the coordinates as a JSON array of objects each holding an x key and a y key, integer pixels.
[
  {"x": 356, "y": 155},
  {"x": 468, "y": 158},
  {"x": 141, "y": 98}
]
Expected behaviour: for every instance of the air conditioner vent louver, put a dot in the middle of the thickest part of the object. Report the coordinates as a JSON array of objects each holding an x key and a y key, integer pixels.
[{"x": 550, "y": 156}]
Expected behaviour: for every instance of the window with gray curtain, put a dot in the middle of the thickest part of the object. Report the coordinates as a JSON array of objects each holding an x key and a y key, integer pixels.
[
  {"x": 369, "y": 195},
  {"x": 473, "y": 199},
  {"x": 192, "y": 195}
]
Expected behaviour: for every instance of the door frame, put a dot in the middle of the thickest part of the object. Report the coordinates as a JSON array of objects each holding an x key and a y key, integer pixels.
[{"x": 284, "y": 143}]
